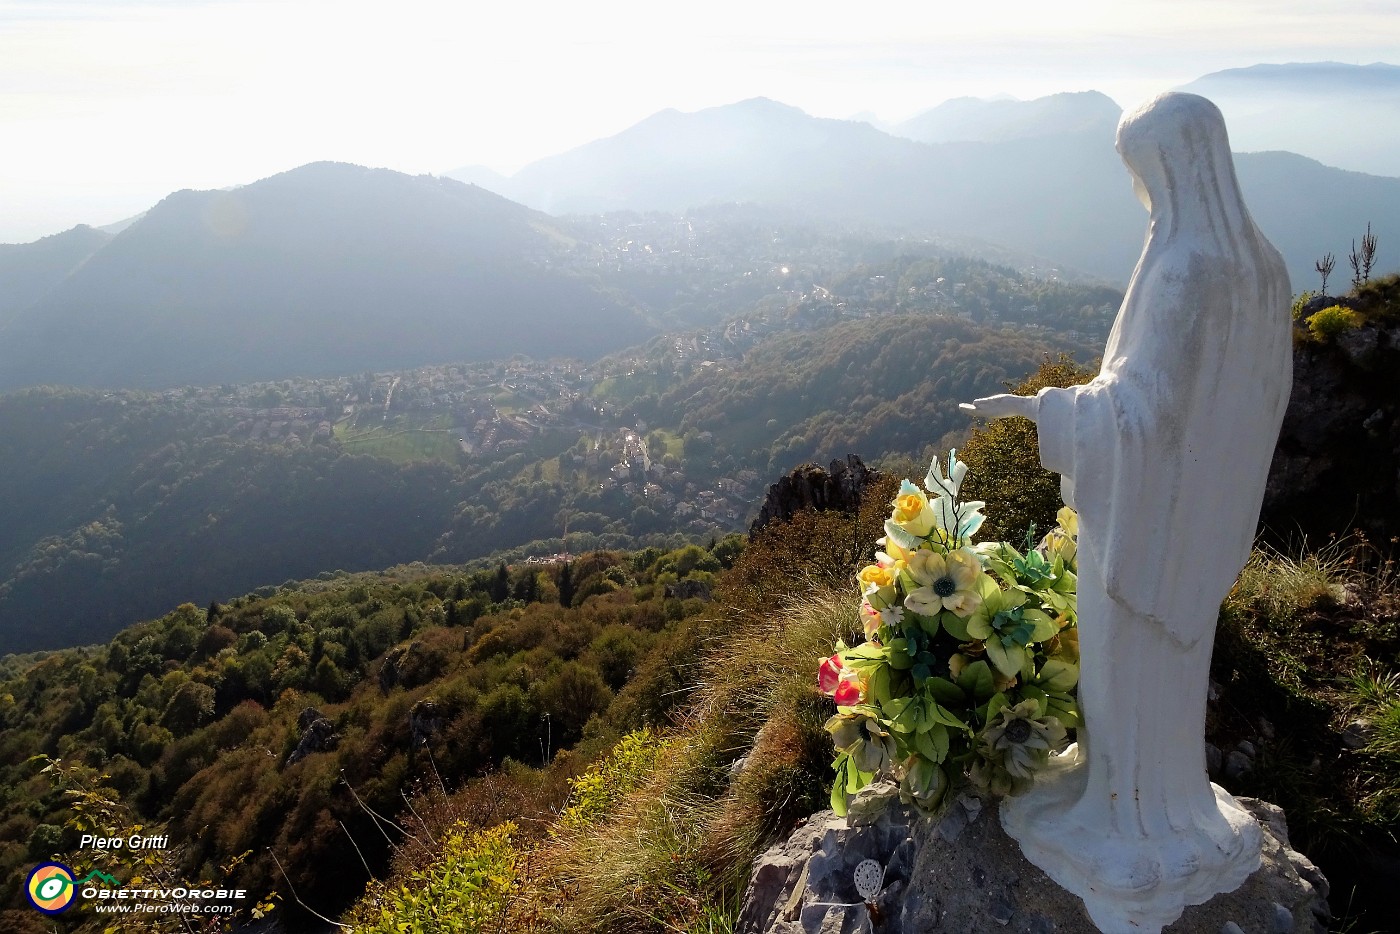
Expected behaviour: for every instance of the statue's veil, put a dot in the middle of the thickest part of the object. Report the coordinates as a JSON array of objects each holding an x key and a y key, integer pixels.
[{"x": 1174, "y": 405}]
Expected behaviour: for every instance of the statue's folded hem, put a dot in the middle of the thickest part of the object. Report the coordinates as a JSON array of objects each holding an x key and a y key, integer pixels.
[{"x": 1127, "y": 880}]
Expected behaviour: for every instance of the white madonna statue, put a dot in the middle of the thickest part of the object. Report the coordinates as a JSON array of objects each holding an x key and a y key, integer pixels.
[{"x": 1164, "y": 455}]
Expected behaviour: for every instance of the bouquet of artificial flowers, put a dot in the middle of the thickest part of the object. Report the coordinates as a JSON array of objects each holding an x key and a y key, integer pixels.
[{"x": 970, "y": 659}]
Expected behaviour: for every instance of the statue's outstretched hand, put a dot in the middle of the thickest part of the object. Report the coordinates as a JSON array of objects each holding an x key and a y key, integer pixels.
[{"x": 1002, "y": 405}]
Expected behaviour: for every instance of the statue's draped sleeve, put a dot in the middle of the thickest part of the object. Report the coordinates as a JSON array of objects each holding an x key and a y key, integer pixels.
[{"x": 1138, "y": 523}]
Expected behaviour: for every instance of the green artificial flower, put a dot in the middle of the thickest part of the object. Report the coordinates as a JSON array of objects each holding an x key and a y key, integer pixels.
[
  {"x": 922, "y": 784},
  {"x": 864, "y": 738},
  {"x": 1014, "y": 745},
  {"x": 1063, "y": 593},
  {"x": 957, "y": 635},
  {"x": 1007, "y": 626}
]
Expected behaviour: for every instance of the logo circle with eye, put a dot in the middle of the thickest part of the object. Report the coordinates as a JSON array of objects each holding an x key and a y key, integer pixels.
[{"x": 50, "y": 888}]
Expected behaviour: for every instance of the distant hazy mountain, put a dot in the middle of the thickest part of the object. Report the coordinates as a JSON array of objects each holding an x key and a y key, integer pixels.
[
  {"x": 326, "y": 268},
  {"x": 1065, "y": 196},
  {"x": 28, "y": 271},
  {"x": 971, "y": 119},
  {"x": 1308, "y": 209},
  {"x": 1029, "y": 198},
  {"x": 479, "y": 175},
  {"x": 1342, "y": 115},
  {"x": 755, "y": 150}
]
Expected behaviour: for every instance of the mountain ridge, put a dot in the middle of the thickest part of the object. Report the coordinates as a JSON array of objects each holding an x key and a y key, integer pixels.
[
  {"x": 1351, "y": 112},
  {"x": 1065, "y": 196},
  {"x": 327, "y": 267},
  {"x": 971, "y": 119}
]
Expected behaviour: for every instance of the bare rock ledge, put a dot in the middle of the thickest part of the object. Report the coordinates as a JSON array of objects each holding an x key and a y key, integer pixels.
[{"x": 962, "y": 873}]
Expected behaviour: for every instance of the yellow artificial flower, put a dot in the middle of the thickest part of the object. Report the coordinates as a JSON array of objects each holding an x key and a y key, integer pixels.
[
  {"x": 912, "y": 511},
  {"x": 1068, "y": 520},
  {"x": 1062, "y": 541},
  {"x": 878, "y": 575},
  {"x": 892, "y": 554},
  {"x": 946, "y": 582}
]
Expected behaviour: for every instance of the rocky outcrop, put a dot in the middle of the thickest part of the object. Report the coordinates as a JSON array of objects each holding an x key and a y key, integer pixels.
[
  {"x": 961, "y": 872},
  {"x": 424, "y": 719},
  {"x": 317, "y": 735},
  {"x": 810, "y": 487},
  {"x": 1337, "y": 464},
  {"x": 405, "y": 666}
]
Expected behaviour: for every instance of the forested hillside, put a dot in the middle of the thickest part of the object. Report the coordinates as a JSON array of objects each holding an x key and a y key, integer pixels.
[
  {"x": 887, "y": 385},
  {"x": 29, "y": 270},
  {"x": 126, "y": 503},
  {"x": 328, "y": 699}
]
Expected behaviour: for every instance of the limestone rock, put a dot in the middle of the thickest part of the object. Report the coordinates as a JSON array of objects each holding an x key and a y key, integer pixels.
[
  {"x": 317, "y": 735},
  {"x": 405, "y": 666},
  {"x": 811, "y": 487},
  {"x": 962, "y": 873},
  {"x": 1334, "y": 467},
  {"x": 424, "y": 719}
]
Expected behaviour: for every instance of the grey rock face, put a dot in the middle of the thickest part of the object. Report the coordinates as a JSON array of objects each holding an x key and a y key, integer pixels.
[
  {"x": 1334, "y": 465},
  {"x": 317, "y": 735},
  {"x": 811, "y": 487},
  {"x": 1237, "y": 763},
  {"x": 424, "y": 719},
  {"x": 962, "y": 873}
]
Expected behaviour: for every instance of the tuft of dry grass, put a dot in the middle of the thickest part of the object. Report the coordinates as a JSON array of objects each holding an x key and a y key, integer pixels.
[
  {"x": 1309, "y": 643},
  {"x": 748, "y": 761},
  {"x": 1280, "y": 587},
  {"x": 1375, "y": 695}
]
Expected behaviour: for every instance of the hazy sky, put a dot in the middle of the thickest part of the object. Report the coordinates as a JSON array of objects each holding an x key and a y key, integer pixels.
[{"x": 108, "y": 105}]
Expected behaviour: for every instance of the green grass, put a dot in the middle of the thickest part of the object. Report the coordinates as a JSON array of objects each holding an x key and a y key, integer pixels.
[
  {"x": 673, "y": 442},
  {"x": 400, "y": 442},
  {"x": 674, "y": 853},
  {"x": 549, "y": 471},
  {"x": 508, "y": 403},
  {"x": 1375, "y": 694},
  {"x": 626, "y": 388},
  {"x": 1309, "y": 643}
]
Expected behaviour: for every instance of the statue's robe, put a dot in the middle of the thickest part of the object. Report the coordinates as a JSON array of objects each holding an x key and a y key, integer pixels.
[{"x": 1165, "y": 455}]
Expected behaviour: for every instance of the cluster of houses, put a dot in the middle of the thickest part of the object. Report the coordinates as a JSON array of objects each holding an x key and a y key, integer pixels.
[{"x": 494, "y": 407}]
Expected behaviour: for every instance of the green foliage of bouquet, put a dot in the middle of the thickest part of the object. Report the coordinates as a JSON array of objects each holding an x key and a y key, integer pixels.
[{"x": 971, "y": 658}]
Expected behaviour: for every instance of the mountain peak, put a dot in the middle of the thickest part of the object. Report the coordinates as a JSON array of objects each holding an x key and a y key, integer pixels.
[
  {"x": 325, "y": 267},
  {"x": 762, "y": 105}
]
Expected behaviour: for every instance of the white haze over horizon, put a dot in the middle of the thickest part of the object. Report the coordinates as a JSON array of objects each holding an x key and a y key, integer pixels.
[{"x": 106, "y": 106}]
